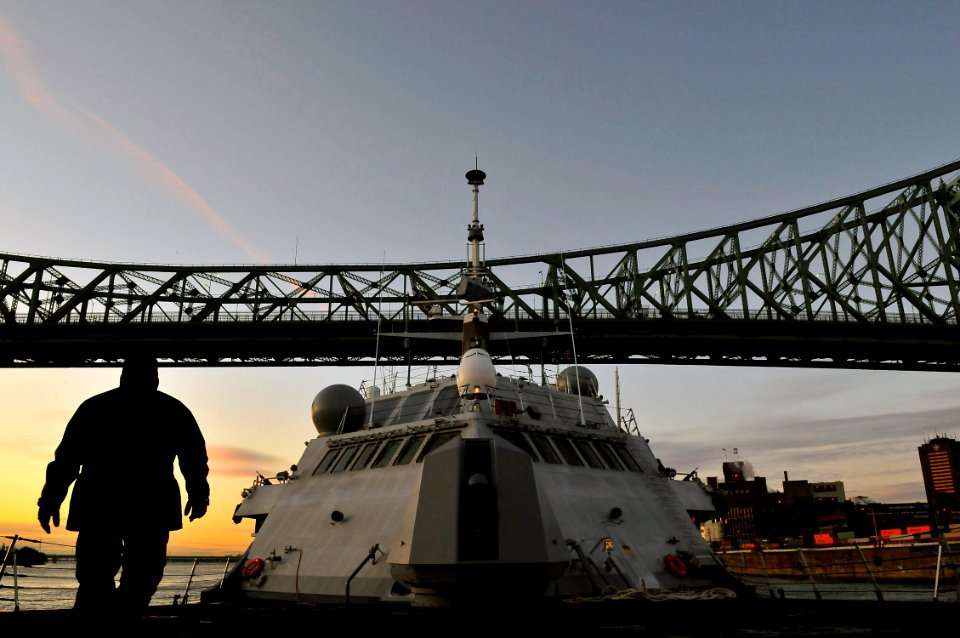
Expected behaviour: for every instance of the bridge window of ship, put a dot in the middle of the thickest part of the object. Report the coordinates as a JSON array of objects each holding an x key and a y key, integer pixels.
[
  {"x": 568, "y": 408},
  {"x": 586, "y": 451},
  {"x": 446, "y": 399},
  {"x": 624, "y": 455},
  {"x": 382, "y": 409},
  {"x": 327, "y": 460},
  {"x": 595, "y": 413},
  {"x": 569, "y": 454},
  {"x": 608, "y": 455},
  {"x": 436, "y": 440},
  {"x": 545, "y": 449},
  {"x": 366, "y": 453},
  {"x": 348, "y": 454},
  {"x": 386, "y": 453},
  {"x": 518, "y": 439},
  {"x": 414, "y": 408},
  {"x": 409, "y": 450}
]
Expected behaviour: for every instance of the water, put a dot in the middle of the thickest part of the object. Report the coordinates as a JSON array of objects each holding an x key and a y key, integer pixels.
[
  {"x": 801, "y": 589},
  {"x": 53, "y": 585}
]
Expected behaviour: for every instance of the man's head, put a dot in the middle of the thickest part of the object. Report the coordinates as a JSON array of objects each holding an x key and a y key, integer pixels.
[{"x": 140, "y": 372}]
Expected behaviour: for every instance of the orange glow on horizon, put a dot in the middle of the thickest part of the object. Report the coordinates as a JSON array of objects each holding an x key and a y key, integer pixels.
[{"x": 213, "y": 535}]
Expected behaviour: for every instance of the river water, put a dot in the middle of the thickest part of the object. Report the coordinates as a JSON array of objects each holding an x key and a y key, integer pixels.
[
  {"x": 53, "y": 586},
  {"x": 805, "y": 589}
]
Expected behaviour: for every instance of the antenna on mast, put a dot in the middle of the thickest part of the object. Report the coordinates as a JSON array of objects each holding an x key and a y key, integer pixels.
[
  {"x": 475, "y": 230},
  {"x": 473, "y": 290}
]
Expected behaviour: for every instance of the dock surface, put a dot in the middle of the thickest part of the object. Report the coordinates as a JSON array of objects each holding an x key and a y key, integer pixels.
[{"x": 730, "y": 618}]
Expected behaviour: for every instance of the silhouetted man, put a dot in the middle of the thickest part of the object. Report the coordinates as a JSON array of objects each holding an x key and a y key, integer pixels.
[{"x": 120, "y": 447}]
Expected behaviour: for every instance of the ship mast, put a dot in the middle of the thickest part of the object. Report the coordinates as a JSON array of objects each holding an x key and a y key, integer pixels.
[
  {"x": 474, "y": 291},
  {"x": 475, "y": 230}
]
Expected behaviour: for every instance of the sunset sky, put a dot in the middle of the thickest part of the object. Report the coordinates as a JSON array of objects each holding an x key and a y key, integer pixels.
[{"x": 242, "y": 132}]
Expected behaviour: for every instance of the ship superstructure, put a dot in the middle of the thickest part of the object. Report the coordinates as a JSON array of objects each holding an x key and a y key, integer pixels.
[{"x": 472, "y": 486}]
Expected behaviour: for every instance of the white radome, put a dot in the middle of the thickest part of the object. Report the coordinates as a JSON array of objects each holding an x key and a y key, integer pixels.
[{"x": 476, "y": 371}]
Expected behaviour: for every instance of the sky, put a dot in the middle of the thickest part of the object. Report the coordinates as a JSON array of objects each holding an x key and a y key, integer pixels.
[{"x": 241, "y": 132}]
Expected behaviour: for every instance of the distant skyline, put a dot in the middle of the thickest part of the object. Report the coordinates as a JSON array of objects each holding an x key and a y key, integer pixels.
[{"x": 250, "y": 132}]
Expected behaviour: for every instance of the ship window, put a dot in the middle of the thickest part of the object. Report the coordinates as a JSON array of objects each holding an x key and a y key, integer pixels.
[
  {"x": 438, "y": 439},
  {"x": 345, "y": 458},
  {"x": 410, "y": 449},
  {"x": 569, "y": 454},
  {"x": 365, "y": 455},
  {"x": 414, "y": 407},
  {"x": 382, "y": 409},
  {"x": 627, "y": 458},
  {"x": 568, "y": 407},
  {"x": 446, "y": 399},
  {"x": 595, "y": 412},
  {"x": 518, "y": 439},
  {"x": 327, "y": 461},
  {"x": 545, "y": 449},
  {"x": 608, "y": 456},
  {"x": 585, "y": 410},
  {"x": 588, "y": 454},
  {"x": 386, "y": 453}
]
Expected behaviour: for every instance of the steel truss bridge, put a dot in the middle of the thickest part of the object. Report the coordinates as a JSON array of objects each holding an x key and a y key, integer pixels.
[{"x": 868, "y": 281}]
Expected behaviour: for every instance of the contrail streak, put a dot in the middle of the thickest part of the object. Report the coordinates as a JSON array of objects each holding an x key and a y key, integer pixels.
[{"x": 33, "y": 91}]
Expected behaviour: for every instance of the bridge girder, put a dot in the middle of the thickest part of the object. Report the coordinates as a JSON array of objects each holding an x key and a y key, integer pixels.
[{"x": 865, "y": 281}]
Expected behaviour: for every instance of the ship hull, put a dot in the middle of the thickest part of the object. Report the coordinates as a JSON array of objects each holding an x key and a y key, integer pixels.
[{"x": 476, "y": 518}]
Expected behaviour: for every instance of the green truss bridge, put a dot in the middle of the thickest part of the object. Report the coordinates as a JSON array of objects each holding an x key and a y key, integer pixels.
[{"x": 868, "y": 281}]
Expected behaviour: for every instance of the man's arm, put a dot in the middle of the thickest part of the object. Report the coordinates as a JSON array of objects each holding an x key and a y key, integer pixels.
[
  {"x": 192, "y": 457},
  {"x": 61, "y": 472}
]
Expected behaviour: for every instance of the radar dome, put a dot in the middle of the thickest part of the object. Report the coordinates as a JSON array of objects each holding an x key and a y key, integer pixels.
[
  {"x": 335, "y": 405},
  {"x": 476, "y": 372},
  {"x": 577, "y": 379}
]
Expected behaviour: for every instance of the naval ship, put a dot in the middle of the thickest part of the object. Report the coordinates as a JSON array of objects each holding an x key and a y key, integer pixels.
[{"x": 471, "y": 487}]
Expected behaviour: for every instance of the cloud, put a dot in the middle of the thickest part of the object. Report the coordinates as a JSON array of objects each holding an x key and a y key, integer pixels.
[
  {"x": 33, "y": 91},
  {"x": 862, "y": 451},
  {"x": 235, "y": 461}
]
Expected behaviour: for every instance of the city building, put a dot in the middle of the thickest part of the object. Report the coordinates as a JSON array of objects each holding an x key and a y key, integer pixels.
[
  {"x": 819, "y": 513},
  {"x": 819, "y": 493},
  {"x": 747, "y": 514},
  {"x": 940, "y": 465}
]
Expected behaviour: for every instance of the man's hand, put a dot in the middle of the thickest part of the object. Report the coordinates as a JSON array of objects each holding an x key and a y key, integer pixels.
[
  {"x": 44, "y": 516},
  {"x": 195, "y": 510}
]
